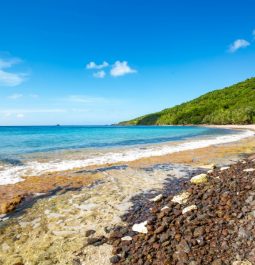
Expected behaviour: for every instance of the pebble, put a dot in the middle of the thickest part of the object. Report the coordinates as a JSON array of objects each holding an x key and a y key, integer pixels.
[
  {"x": 140, "y": 228},
  {"x": 181, "y": 198},
  {"x": 189, "y": 208},
  {"x": 201, "y": 178},
  {"x": 126, "y": 238},
  {"x": 224, "y": 168},
  {"x": 157, "y": 198},
  {"x": 249, "y": 170}
]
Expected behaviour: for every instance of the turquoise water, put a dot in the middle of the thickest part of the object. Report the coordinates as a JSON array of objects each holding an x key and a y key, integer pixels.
[{"x": 15, "y": 141}]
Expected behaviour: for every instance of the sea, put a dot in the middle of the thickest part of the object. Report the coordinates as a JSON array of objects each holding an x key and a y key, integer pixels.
[{"x": 30, "y": 150}]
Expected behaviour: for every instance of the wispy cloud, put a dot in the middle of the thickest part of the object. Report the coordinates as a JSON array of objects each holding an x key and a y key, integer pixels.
[
  {"x": 8, "y": 78},
  {"x": 99, "y": 74},
  {"x": 15, "y": 96},
  {"x": 238, "y": 44},
  {"x": 9, "y": 112},
  {"x": 93, "y": 65},
  {"x": 121, "y": 68}
]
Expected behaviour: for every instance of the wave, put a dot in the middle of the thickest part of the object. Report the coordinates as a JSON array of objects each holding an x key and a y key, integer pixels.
[{"x": 14, "y": 174}]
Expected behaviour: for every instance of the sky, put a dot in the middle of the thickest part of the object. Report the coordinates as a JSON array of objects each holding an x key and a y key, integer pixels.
[{"x": 104, "y": 61}]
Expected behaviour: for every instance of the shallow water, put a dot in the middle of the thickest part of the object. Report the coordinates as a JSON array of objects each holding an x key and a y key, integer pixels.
[
  {"x": 18, "y": 140},
  {"x": 36, "y": 150}
]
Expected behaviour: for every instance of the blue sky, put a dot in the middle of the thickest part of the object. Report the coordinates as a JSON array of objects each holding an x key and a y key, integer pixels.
[{"x": 100, "y": 62}]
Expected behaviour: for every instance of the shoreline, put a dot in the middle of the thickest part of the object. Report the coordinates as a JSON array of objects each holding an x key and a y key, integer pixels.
[
  {"x": 15, "y": 174},
  {"x": 13, "y": 194},
  {"x": 60, "y": 224}
]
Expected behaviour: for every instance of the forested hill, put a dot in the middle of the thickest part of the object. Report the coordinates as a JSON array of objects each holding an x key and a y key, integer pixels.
[{"x": 231, "y": 105}]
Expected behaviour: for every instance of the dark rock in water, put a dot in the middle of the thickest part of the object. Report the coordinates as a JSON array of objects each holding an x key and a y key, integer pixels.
[
  {"x": 90, "y": 232},
  {"x": 219, "y": 232},
  {"x": 97, "y": 241},
  {"x": 76, "y": 262},
  {"x": 114, "y": 259}
]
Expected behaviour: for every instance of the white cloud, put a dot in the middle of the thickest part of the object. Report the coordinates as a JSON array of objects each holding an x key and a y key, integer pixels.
[
  {"x": 8, "y": 78},
  {"x": 15, "y": 96},
  {"x": 121, "y": 68},
  {"x": 99, "y": 74},
  {"x": 93, "y": 65},
  {"x": 238, "y": 44}
]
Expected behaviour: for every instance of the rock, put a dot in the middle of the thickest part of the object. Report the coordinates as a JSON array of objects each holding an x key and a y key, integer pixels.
[
  {"x": 183, "y": 246},
  {"x": 199, "y": 231},
  {"x": 164, "y": 208},
  {"x": 242, "y": 233},
  {"x": 140, "y": 228},
  {"x": 126, "y": 238},
  {"x": 8, "y": 206},
  {"x": 115, "y": 259},
  {"x": 217, "y": 262},
  {"x": 76, "y": 262},
  {"x": 245, "y": 262},
  {"x": 97, "y": 241},
  {"x": 5, "y": 247},
  {"x": 214, "y": 227},
  {"x": 210, "y": 166},
  {"x": 189, "y": 208},
  {"x": 181, "y": 198},
  {"x": 224, "y": 168},
  {"x": 201, "y": 178},
  {"x": 157, "y": 198},
  {"x": 249, "y": 170},
  {"x": 90, "y": 232}
]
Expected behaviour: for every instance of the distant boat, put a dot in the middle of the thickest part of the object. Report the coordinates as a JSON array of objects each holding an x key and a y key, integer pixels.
[{"x": 58, "y": 125}]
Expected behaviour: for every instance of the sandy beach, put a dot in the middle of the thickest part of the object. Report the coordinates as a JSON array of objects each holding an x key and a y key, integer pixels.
[{"x": 52, "y": 224}]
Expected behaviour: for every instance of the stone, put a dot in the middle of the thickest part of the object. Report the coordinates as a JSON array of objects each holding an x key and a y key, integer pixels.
[
  {"x": 140, "y": 228},
  {"x": 198, "y": 179},
  {"x": 249, "y": 170},
  {"x": 183, "y": 246},
  {"x": 164, "y": 208},
  {"x": 245, "y": 262},
  {"x": 224, "y": 168},
  {"x": 97, "y": 241},
  {"x": 126, "y": 238},
  {"x": 189, "y": 208},
  {"x": 90, "y": 232},
  {"x": 217, "y": 262},
  {"x": 181, "y": 198},
  {"x": 157, "y": 198},
  {"x": 115, "y": 259},
  {"x": 199, "y": 231}
]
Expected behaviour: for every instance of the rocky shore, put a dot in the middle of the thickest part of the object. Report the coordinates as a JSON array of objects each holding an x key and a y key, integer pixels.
[
  {"x": 87, "y": 216},
  {"x": 211, "y": 221}
]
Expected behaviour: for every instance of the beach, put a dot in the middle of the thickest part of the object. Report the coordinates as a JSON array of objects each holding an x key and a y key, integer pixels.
[{"x": 54, "y": 217}]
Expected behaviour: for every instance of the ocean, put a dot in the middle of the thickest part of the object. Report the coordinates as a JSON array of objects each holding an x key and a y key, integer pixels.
[{"x": 26, "y": 150}]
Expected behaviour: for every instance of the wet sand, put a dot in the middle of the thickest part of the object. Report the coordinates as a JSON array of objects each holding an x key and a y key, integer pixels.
[{"x": 52, "y": 229}]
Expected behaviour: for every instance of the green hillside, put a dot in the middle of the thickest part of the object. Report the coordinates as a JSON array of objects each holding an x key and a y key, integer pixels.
[{"x": 231, "y": 105}]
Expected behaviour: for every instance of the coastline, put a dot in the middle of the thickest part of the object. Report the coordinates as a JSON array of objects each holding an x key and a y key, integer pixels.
[{"x": 63, "y": 218}]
